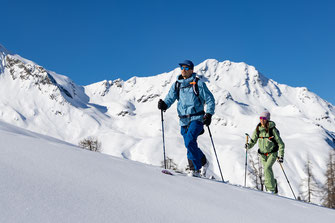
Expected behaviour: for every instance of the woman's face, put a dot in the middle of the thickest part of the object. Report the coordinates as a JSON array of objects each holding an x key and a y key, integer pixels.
[{"x": 263, "y": 121}]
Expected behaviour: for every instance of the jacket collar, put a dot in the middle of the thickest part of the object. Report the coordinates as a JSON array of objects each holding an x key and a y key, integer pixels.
[
  {"x": 190, "y": 79},
  {"x": 271, "y": 124}
]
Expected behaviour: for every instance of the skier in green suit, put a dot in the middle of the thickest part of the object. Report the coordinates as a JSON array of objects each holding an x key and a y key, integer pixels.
[{"x": 271, "y": 148}]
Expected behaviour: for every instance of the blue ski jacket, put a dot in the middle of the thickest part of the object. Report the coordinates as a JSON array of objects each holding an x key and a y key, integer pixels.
[{"x": 189, "y": 103}]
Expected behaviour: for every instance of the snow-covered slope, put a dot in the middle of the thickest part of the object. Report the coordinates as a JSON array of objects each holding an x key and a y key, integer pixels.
[
  {"x": 123, "y": 115},
  {"x": 46, "y": 180}
]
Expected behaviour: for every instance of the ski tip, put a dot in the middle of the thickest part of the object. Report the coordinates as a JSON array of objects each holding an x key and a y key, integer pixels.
[{"x": 167, "y": 172}]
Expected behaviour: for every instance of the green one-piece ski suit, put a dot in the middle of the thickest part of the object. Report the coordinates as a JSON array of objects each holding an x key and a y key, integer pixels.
[{"x": 269, "y": 150}]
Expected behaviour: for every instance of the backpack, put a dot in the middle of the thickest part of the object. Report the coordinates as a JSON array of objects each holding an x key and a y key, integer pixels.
[{"x": 271, "y": 137}]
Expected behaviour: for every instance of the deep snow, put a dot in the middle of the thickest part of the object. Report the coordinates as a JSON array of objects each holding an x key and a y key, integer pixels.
[{"x": 46, "y": 180}]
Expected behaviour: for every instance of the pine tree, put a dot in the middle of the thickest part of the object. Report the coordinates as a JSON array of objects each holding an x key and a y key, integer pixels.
[
  {"x": 256, "y": 171},
  {"x": 329, "y": 188},
  {"x": 309, "y": 183},
  {"x": 170, "y": 164}
]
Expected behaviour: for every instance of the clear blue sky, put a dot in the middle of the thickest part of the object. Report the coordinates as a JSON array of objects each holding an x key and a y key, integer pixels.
[{"x": 292, "y": 42}]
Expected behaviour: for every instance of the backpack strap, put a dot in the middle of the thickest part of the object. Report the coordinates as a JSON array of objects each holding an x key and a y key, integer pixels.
[
  {"x": 177, "y": 89},
  {"x": 257, "y": 129},
  {"x": 195, "y": 86},
  {"x": 194, "y": 114}
]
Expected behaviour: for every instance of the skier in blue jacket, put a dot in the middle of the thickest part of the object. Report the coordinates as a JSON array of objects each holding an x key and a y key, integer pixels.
[{"x": 192, "y": 95}]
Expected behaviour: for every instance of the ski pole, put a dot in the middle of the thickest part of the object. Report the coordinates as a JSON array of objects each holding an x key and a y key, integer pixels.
[
  {"x": 163, "y": 139},
  {"x": 287, "y": 180},
  {"x": 210, "y": 135},
  {"x": 246, "y": 161}
]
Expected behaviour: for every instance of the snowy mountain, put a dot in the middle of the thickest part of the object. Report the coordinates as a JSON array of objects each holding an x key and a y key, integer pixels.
[
  {"x": 123, "y": 115},
  {"x": 46, "y": 180}
]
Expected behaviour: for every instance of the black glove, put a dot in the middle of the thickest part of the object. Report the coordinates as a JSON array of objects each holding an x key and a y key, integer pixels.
[
  {"x": 162, "y": 105},
  {"x": 247, "y": 146},
  {"x": 207, "y": 119},
  {"x": 280, "y": 159}
]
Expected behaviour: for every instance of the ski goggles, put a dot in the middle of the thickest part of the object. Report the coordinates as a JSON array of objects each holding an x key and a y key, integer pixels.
[
  {"x": 185, "y": 68},
  {"x": 263, "y": 118}
]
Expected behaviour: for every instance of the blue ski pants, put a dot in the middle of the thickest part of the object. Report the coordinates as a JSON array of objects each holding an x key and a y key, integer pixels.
[{"x": 190, "y": 134}]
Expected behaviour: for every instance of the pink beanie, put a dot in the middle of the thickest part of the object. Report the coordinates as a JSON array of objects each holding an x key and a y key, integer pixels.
[{"x": 265, "y": 114}]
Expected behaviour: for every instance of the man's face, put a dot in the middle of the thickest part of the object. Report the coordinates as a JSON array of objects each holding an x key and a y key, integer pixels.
[{"x": 186, "y": 71}]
